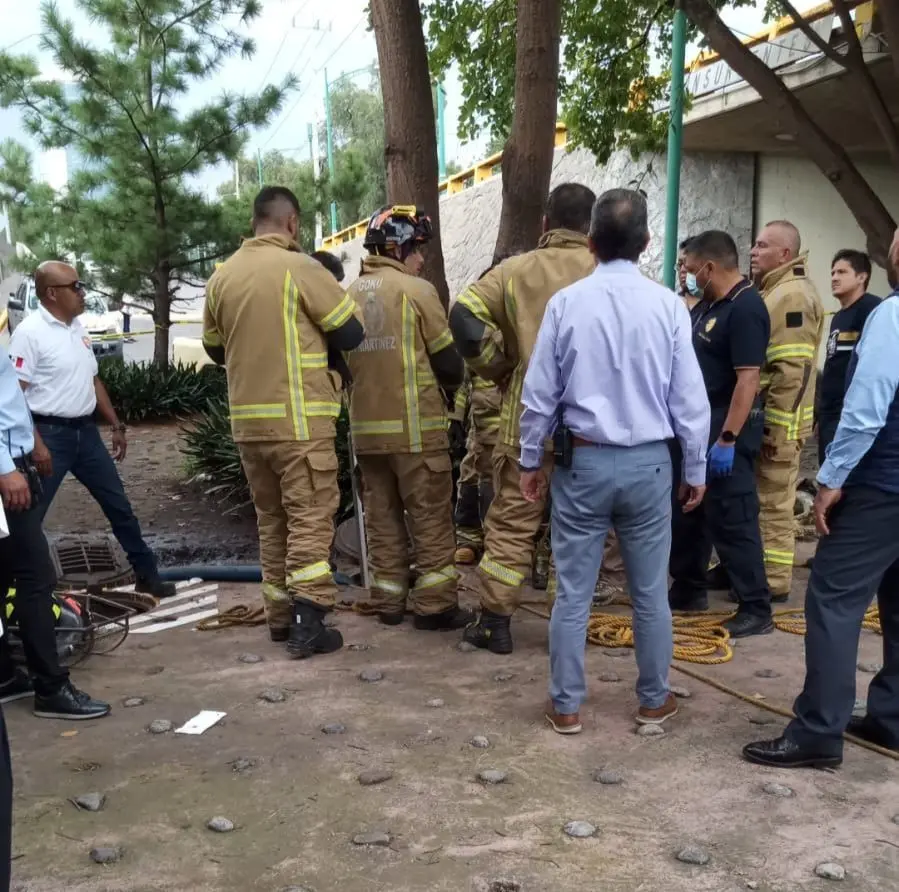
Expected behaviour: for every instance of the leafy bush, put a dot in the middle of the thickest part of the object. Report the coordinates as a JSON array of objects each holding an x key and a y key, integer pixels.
[
  {"x": 214, "y": 461},
  {"x": 142, "y": 391}
]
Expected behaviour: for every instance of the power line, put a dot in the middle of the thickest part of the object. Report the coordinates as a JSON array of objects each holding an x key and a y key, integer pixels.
[
  {"x": 281, "y": 47},
  {"x": 318, "y": 70}
]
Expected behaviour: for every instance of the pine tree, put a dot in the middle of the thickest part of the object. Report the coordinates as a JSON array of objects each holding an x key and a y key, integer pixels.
[{"x": 135, "y": 210}]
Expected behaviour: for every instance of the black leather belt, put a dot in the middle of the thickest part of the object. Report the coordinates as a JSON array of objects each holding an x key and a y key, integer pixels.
[{"x": 83, "y": 421}]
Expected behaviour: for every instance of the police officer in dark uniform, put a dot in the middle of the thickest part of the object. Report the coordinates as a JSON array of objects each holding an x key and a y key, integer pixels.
[
  {"x": 730, "y": 335},
  {"x": 850, "y": 273}
]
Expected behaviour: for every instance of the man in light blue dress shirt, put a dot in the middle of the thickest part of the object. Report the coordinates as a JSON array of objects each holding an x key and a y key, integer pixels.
[
  {"x": 614, "y": 361},
  {"x": 857, "y": 515}
]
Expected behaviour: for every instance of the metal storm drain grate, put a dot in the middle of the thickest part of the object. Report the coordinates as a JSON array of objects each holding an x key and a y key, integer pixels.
[{"x": 84, "y": 562}]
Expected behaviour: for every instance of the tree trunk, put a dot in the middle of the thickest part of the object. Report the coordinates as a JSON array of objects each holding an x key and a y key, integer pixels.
[
  {"x": 410, "y": 131},
  {"x": 162, "y": 316},
  {"x": 528, "y": 153},
  {"x": 830, "y": 157}
]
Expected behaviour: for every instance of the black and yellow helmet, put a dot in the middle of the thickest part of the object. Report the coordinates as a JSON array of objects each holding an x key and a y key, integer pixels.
[{"x": 399, "y": 224}]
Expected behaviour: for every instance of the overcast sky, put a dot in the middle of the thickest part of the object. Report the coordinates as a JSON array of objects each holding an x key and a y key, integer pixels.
[{"x": 291, "y": 35}]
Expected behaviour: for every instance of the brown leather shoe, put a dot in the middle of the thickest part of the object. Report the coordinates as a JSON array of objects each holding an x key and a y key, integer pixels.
[
  {"x": 562, "y": 723},
  {"x": 646, "y": 716}
]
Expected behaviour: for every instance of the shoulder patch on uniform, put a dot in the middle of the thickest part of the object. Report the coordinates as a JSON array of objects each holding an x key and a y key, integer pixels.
[{"x": 794, "y": 320}]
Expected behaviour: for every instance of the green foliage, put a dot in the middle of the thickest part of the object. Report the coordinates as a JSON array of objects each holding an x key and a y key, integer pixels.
[
  {"x": 615, "y": 71},
  {"x": 212, "y": 458},
  {"x": 134, "y": 209},
  {"x": 145, "y": 391}
]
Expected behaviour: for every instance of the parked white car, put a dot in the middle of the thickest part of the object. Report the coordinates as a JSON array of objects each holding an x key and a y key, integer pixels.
[
  {"x": 190, "y": 351},
  {"x": 103, "y": 325}
]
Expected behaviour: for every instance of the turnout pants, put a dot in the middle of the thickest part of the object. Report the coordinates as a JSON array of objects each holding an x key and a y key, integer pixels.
[
  {"x": 859, "y": 558},
  {"x": 295, "y": 493},
  {"x": 475, "y": 490},
  {"x": 728, "y": 520},
  {"x": 628, "y": 487},
  {"x": 777, "y": 480},
  {"x": 420, "y": 486}
]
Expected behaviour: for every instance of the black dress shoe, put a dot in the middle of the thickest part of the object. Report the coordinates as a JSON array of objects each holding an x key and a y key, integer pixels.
[
  {"x": 153, "y": 585},
  {"x": 745, "y": 624},
  {"x": 447, "y": 620},
  {"x": 867, "y": 729},
  {"x": 16, "y": 688},
  {"x": 783, "y": 753},
  {"x": 688, "y": 603},
  {"x": 69, "y": 703}
]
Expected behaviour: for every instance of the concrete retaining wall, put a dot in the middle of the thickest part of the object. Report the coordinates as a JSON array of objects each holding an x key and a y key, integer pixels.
[{"x": 716, "y": 193}]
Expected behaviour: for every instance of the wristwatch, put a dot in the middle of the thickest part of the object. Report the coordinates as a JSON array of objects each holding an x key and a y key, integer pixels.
[{"x": 728, "y": 437}]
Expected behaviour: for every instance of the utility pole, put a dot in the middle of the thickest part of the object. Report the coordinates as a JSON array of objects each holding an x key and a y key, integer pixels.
[
  {"x": 441, "y": 132},
  {"x": 675, "y": 134},
  {"x": 330, "y": 148},
  {"x": 316, "y": 174},
  {"x": 259, "y": 166},
  {"x": 237, "y": 179}
]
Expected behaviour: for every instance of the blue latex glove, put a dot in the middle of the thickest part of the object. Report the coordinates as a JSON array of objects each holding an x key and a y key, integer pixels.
[{"x": 721, "y": 460}]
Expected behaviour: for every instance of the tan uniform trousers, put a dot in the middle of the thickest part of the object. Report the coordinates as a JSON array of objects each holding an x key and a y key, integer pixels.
[
  {"x": 295, "y": 492},
  {"x": 418, "y": 486},
  {"x": 510, "y": 532},
  {"x": 477, "y": 466},
  {"x": 777, "y": 479}
]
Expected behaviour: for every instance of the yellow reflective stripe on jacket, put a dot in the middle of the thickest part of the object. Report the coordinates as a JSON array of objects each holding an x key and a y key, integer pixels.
[
  {"x": 485, "y": 357},
  {"x": 434, "y": 424},
  {"x": 258, "y": 410},
  {"x": 480, "y": 383},
  {"x": 511, "y": 304},
  {"x": 385, "y": 585},
  {"x": 310, "y": 572},
  {"x": 410, "y": 376},
  {"x": 790, "y": 351},
  {"x": 294, "y": 353},
  {"x": 779, "y": 557},
  {"x": 441, "y": 342},
  {"x": 377, "y": 427},
  {"x": 339, "y": 315},
  {"x": 437, "y": 577},
  {"x": 314, "y": 360},
  {"x": 498, "y": 571},
  {"x": 473, "y": 303},
  {"x": 211, "y": 299},
  {"x": 511, "y": 402},
  {"x": 210, "y": 338},
  {"x": 322, "y": 409},
  {"x": 274, "y": 593}
]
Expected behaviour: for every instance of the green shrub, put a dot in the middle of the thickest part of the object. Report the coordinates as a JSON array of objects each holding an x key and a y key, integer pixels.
[
  {"x": 145, "y": 391},
  {"x": 213, "y": 460}
]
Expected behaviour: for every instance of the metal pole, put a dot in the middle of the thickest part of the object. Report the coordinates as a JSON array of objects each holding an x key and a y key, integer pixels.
[
  {"x": 330, "y": 140},
  {"x": 675, "y": 132},
  {"x": 259, "y": 166},
  {"x": 316, "y": 175},
  {"x": 441, "y": 132}
]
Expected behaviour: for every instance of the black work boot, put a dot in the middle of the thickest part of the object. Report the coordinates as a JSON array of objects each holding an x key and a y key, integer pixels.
[
  {"x": 452, "y": 618},
  {"x": 687, "y": 601},
  {"x": 309, "y": 635},
  {"x": 152, "y": 584},
  {"x": 278, "y": 634},
  {"x": 492, "y": 632},
  {"x": 392, "y": 617}
]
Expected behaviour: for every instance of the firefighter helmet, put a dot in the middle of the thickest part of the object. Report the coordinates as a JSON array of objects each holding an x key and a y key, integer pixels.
[{"x": 399, "y": 225}]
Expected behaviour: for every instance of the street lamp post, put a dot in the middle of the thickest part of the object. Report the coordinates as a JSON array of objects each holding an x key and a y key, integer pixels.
[{"x": 675, "y": 134}]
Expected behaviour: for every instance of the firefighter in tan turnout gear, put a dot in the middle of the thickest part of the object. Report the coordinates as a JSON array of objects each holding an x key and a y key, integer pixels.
[
  {"x": 788, "y": 386},
  {"x": 495, "y": 324},
  {"x": 272, "y": 314},
  {"x": 398, "y": 416}
]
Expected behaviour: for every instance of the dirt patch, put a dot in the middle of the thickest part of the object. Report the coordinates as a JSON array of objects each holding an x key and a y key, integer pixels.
[
  {"x": 177, "y": 521},
  {"x": 296, "y": 801}
]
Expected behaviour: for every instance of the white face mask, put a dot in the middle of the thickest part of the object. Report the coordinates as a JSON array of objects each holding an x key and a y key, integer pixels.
[{"x": 693, "y": 286}]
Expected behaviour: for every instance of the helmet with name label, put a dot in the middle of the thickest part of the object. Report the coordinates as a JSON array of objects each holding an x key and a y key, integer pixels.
[{"x": 399, "y": 224}]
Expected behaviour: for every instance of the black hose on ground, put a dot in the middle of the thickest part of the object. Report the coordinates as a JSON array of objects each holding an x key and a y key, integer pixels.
[{"x": 231, "y": 573}]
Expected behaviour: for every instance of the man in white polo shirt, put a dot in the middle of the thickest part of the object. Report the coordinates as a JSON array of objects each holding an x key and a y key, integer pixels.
[{"x": 53, "y": 358}]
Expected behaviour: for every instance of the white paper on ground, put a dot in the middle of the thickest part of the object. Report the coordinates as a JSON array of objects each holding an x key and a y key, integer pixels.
[{"x": 201, "y": 722}]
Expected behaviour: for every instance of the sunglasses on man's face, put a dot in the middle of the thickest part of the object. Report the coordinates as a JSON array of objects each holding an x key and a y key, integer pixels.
[{"x": 77, "y": 286}]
